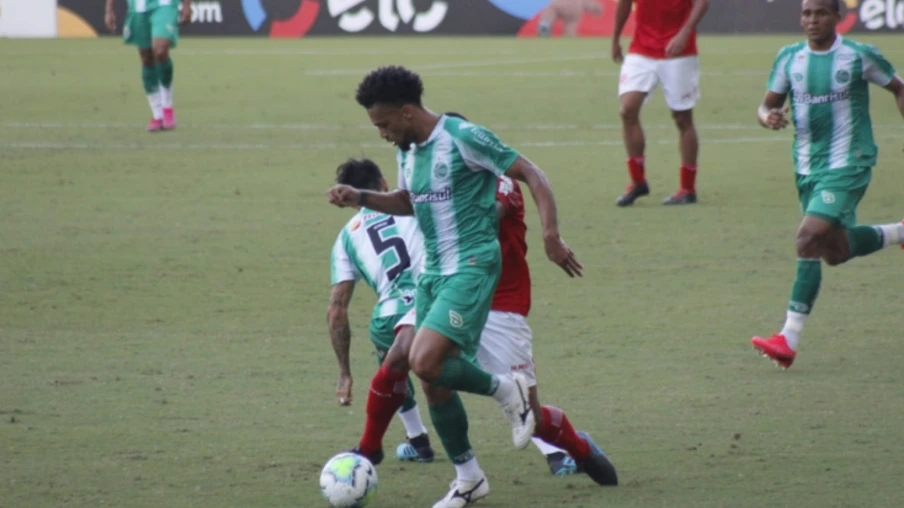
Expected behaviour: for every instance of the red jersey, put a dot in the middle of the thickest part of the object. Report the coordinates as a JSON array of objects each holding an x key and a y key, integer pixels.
[
  {"x": 513, "y": 292},
  {"x": 656, "y": 22}
]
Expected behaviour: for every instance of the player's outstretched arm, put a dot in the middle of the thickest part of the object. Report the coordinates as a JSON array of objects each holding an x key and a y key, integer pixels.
[
  {"x": 397, "y": 202},
  {"x": 340, "y": 337},
  {"x": 770, "y": 114},
  {"x": 896, "y": 87},
  {"x": 559, "y": 253}
]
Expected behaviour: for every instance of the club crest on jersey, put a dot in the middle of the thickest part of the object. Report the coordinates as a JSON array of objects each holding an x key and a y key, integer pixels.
[
  {"x": 842, "y": 76},
  {"x": 441, "y": 170},
  {"x": 798, "y": 76}
]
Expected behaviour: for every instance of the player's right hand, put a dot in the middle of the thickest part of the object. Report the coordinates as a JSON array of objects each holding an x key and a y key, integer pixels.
[
  {"x": 344, "y": 390},
  {"x": 110, "y": 20},
  {"x": 777, "y": 118},
  {"x": 617, "y": 55},
  {"x": 343, "y": 195}
]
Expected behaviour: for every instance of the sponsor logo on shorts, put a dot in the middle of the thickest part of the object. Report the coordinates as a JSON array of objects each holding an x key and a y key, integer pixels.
[
  {"x": 432, "y": 196},
  {"x": 827, "y": 197},
  {"x": 455, "y": 319}
]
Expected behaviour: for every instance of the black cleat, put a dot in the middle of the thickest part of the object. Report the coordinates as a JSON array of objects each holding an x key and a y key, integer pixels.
[
  {"x": 631, "y": 194},
  {"x": 682, "y": 197},
  {"x": 374, "y": 459},
  {"x": 417, "y": 449},
  {"x": 597, "y": 466}
]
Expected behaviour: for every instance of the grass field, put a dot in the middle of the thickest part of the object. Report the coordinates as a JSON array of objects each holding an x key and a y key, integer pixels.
[{"x": 162, "y": 313}]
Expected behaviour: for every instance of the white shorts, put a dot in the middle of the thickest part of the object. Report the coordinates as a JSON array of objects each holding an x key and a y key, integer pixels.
[
  {"x": 506, "y": 344},
  {"x": 680, "y": 78}
]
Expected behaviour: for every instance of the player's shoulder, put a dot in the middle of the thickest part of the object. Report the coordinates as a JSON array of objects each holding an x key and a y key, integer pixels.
[
  {"x": 860, "y": 48},
  {"x": 790, "y": 50},
  {"x": 353, "y": 225},
  {"x": 464, "y": 130}
]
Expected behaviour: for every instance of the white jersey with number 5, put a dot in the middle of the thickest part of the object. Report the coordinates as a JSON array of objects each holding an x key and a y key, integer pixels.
[{"x": 387, "y": 252}]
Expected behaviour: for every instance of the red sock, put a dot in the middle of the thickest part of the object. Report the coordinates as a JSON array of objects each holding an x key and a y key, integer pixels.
[
  {"x": 557, "y": 430},
  {"x": 387, "y": 392},
  {"x": 688, "y": 177},
  {"x": 636, "y": 170}
]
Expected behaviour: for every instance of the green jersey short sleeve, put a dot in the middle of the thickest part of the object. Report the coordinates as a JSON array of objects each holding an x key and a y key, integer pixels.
[
  {"x": 384, "y": 251},
  {"x": 451, "y": 180},
  {"x": 829, "y": 92}
]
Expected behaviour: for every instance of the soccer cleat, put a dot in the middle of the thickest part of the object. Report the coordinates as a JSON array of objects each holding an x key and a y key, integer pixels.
[
  {"x": 155, "y": 125},
  {"x": 169, "y": 118},
  {"x": 464, "y": 493},
  {"x": 682, "y": 197},
  {"x": 417, "y": 449},
  {"x": 518, "y": 411},
  {"x": 561, "y": 464},
  {"x": 597, "y": 466},
  {"x": 374, "y": 459},
  {"x": 776, "y": 349},
  {"x": 631, "y": 194}
]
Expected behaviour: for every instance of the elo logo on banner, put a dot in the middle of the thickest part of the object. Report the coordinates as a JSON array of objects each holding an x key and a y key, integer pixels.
[
  {"x": 391, "y": 13},
  {"x": 296, "y": 26}
]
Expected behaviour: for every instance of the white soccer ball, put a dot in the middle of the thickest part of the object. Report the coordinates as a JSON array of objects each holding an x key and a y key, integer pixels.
[{"x": 348, "y": 480}]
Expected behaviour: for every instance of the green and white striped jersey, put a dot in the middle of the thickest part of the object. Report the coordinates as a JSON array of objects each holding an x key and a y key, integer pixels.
[
  {"x": 829, "y": 93},
  {"x": 387, "y": 252},
  {"x": 148, "y": 5},
  {"x": 451, "y": 179}
]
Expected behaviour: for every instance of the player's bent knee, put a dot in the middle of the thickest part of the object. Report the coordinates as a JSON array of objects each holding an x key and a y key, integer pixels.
[
  {"x": 147, "y": 57},
  {"x": 436, "y": 395},
  {"x": 684, "y": 120}
]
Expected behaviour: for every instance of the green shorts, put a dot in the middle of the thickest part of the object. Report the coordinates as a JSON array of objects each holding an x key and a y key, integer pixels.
[
  {"x": 833, "y": 195},
  {"x": 382, "y": 334},
  {"x": 141, "y": 28},
  {"x": 457, "y": 306}
]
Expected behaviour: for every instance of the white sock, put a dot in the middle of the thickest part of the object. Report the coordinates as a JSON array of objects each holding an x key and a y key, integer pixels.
[
  {"x": 155, "y": 100},
  {"x": 892, "y": 234},
  {"x": 412, "y": 420},
  {"x": 546, "y": 448},
  {"x": 794, "y": 325},
  {"x": 167, "y": 96},
  {"x": 504, "y": 390},
  {"x": 469, "y": 471}
]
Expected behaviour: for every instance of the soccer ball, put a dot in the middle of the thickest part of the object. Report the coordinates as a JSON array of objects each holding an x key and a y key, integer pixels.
[{"x": 348, "y": 480}]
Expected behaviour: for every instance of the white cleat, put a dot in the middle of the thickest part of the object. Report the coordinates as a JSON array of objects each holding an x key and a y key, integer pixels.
[
  {"x": 464, "y": 493},
  {"x": 518, "y": 411}
]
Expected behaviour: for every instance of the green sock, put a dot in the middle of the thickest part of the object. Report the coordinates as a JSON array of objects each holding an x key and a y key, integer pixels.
[
  {"x": 451, "y": 424},
  {"x": 150, "y": 79},
  {"x": 864, "y": 240},
  {"x": 165, "y": 73},
  {"x": 462, "y": 375},
  {"x": 806, "y": 285},
  {"x": 409, "y": 401}
]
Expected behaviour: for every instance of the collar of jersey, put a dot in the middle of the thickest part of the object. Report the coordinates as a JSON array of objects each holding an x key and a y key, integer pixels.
[
  {"x": 835, "y": 46},
  {"x": 434, "y": 133}
]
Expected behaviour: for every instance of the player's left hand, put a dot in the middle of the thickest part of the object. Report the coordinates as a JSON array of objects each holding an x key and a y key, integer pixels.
[
  {"x": 677, "y": 44},
  {"x": 343, "y": 195},
  {"x": 560, "y": 254},
  {"x": 344, "y": 390},
  {"x": 185, "y": 13}
]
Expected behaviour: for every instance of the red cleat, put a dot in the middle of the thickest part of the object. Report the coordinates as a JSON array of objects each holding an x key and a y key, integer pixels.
[
  {"x": 155, "y": 125},
  {"x": 776, "y": 349},
  {"x": 169, "y": 118}
]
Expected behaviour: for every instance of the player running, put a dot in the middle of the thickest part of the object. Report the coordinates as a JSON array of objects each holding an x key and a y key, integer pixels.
[
  {"x": 447, "y": 178},
  {"x": 153, "y": 26},
  {"x": 663, "y": 50},
  {"x": 827, "y": 78},
  {"x": 506, "y": 345},
  {"x": 374, "y": 247}
]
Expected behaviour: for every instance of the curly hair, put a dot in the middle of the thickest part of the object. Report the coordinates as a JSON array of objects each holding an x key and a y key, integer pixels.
[
  {"x": 360, "y": 173},
  {"x": 394, "y": 85}
]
